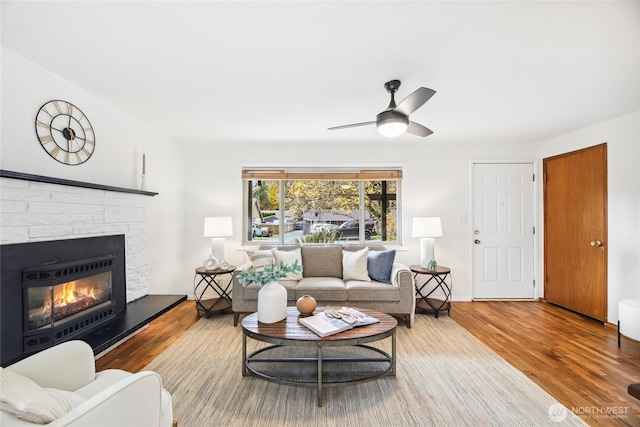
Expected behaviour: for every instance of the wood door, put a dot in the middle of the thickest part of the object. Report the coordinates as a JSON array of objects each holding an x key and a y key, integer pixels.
[
  {"x": 575, "y": 231},
  {"x": 503, "y": 231}
]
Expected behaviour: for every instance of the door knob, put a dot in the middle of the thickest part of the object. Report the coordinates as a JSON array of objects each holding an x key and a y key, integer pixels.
[
  {"x": 596, "y": 243},
  {"x": 477, "y": 242}
]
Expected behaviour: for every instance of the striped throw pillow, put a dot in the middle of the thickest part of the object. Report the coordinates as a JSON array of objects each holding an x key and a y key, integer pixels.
[{"x": 260, "y": 259}]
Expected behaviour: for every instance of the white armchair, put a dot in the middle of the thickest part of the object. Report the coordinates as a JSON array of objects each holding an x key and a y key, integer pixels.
[{"x": 113, "y": 397}]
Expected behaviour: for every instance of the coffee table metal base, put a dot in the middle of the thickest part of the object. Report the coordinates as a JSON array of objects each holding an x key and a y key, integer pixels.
[{"x": 320, "y": 367}]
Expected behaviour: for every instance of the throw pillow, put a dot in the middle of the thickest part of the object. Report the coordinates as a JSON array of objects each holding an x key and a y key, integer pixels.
[
  {"x": 288, "y": 257},
  {"x": 379, "y": 264},
  {"x": 25, "y": 399},
  {"x": 260, "y": 259},
  {"x": 354, "y": 265}
]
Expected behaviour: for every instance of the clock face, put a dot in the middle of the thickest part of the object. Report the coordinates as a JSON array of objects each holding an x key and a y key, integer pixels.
[{"x": 65, "y": 132}]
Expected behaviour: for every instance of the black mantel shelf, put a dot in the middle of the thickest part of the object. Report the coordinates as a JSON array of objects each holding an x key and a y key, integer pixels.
[{"x": 60, "y": 181}]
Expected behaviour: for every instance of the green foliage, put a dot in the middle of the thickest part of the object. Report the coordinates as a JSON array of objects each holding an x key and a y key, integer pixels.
[
  {"x": 267, "y": 195},
  {"x": 321, "y": 195},
  {"x": 322, "y": 236},
  {"x": 333, "y": 196},
  {"x": 271, "y": 273}
]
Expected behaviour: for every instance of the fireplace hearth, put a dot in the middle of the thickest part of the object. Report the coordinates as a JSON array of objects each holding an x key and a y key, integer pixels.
[{"x": 55, "y": 291}]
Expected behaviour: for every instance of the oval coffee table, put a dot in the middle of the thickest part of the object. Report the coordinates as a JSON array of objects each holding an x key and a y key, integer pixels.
[{"x": 299, "y": 357}]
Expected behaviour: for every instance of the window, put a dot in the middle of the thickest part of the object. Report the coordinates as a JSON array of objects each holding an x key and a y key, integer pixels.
[{"x": 319, "y": 206}]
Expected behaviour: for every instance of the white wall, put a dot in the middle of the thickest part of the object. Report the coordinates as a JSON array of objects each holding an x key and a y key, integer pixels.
[
  {"x": 436, "y": 182},
  {"x": 120, "y": 142},
  {"x": 622, "y": 136}
]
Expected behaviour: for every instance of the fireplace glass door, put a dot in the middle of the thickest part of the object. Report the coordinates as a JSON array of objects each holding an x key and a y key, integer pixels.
[{"x": 49, "y": 305}]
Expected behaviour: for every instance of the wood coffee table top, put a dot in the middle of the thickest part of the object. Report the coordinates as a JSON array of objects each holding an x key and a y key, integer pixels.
[{"x": 290, "y": 330}]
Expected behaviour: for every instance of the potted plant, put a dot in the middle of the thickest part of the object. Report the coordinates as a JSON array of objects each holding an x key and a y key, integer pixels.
[{"x": 272, "y": 297}]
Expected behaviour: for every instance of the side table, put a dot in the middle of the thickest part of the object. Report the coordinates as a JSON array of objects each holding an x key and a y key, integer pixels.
[
  {"x": 439, "y": 279},
  {"x": 214, "y": 280}
]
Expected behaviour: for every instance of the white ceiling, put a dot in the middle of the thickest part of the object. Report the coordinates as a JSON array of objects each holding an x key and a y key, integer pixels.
[{"x": 217, "y": 72}]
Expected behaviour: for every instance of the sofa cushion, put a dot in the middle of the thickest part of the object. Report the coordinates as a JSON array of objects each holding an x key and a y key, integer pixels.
[
  {"x": 379, "y": 265},
  {"x": 288, "y": 258},
  {"x": 354, "y": 265},
  {"x": 322, "y": 260},
  {"x": 322, "y": 288},
  {"x": 356, "y": 247},
  {"x": 260, "y": 259},
  {"x": 370, "y": 291},
  {"x": 28, "y": 401}
]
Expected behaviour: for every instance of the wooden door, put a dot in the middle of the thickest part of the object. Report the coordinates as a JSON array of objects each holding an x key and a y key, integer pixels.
[
  {"x": 575, "y": 231},
  {"x": 503, "y": 231}
]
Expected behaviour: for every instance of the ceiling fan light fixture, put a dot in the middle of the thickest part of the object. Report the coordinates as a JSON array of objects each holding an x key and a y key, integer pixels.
[
  {"x": 394, "y": 121},
  {"x": 391, "y": 123}
]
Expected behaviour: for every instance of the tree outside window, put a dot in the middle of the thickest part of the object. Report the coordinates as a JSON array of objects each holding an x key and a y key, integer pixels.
[{"x": 321, "y": 210}]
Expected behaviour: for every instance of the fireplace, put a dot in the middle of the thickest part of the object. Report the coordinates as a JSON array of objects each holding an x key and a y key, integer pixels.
[
  {"x": 61, "y": 301},
  {"x": 59, "y": 290}
]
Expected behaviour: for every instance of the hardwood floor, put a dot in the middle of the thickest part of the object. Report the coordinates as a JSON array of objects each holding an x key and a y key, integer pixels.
[
  {"x": 573, "y": 358},
  {"x": 140, "y": 350}
]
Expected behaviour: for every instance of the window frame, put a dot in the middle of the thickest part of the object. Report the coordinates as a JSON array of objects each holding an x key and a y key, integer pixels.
[{"x": 251, "y": 174}]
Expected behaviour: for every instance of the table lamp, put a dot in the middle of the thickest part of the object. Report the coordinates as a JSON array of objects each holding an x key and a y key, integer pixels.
[
  {"x": 217, "y": 228},
  {"x": 426, "y": 229}
]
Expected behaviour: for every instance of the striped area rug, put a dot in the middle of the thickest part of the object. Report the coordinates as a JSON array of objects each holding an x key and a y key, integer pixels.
[{"x": 445, "y": 377}]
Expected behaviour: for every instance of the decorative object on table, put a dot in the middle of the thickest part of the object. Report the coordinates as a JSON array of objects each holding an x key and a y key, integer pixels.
[
  {"x": 272, "y": 297},
  {"x": 432, "y": 265},
  {"x": 65, "y": 132},
  {"x": 143, "y": 183},
  {"x": 217, "y": 228},
  {"x": 332, "y": 321},
  {"x": 427, "y": 228},
  {"x": 306, "y": 304},
  {"x": 272, "y": 303}
]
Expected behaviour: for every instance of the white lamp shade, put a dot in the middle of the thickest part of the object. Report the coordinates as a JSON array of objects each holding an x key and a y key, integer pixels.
[
  {"x": 427, "y": 227},
  {"x": 218, "y": 226}
]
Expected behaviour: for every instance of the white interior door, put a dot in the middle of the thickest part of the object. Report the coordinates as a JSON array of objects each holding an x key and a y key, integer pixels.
[{"x": 503, "y": 231}]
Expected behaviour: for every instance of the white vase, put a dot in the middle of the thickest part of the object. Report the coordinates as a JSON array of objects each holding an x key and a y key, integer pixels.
[{"x": 272, "y": 303}]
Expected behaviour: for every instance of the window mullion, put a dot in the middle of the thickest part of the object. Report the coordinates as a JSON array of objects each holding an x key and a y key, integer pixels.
[
  {"x": 362, "y": 225},
  {"x": 281, "y": 213}
]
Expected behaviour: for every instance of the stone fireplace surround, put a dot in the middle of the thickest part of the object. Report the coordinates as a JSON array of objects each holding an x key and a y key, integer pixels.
[{"x": 35, "y": 208}]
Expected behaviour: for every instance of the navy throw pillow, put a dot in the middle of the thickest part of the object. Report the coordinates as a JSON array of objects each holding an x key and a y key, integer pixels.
[{"x": 379, "y": 265}]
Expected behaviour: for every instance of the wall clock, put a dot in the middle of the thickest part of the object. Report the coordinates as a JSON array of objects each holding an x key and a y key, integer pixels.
[{"x": 65, "y": 132}]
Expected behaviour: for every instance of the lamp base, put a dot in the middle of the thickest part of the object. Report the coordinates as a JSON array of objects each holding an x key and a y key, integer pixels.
[
  {"x": 216, "y": 259},
  {"x": 212, "y": 263},
  {"x": 427, "y": 246}
]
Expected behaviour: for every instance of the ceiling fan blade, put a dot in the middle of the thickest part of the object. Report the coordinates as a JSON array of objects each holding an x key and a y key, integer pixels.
[
  {"x": 353, "y": 125},
  {"x": 419, "y": 130},
  {"x": 414, "y": 101}
]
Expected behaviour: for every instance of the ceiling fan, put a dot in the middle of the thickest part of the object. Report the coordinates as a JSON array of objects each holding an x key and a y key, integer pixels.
[{"x": 394, "y": 120}]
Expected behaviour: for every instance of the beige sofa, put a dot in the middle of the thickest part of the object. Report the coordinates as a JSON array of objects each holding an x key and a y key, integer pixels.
[{"x": 322, "y": 278}]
